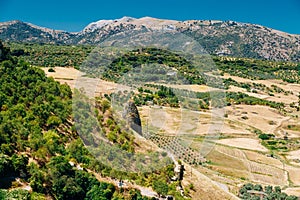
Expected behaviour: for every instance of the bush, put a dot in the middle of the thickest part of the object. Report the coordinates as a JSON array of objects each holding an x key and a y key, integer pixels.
[
  {"x": 271, "y": 194},
  {"x": 51, "y": 70},
  {"x": 264, "y": 136}
]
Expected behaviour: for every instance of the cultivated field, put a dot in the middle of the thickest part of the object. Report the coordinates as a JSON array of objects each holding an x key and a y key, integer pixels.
[
  {"x": 75, "y": 78},
  {"x": 237, "y": 156},
  {"x": 263, "y": 118},
  {"x": 243, "y": 143},
  {"x": 278, "y": 97}
]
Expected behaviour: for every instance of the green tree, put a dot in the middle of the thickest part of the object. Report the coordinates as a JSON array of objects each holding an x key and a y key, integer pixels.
[
  {"x": 36, "y": 179},
  {"x": 53, "y": 121},
  {"x": 5, "y": 165},
  {"x": 101, "y": 192},
  {"x": 19, "y": 194},
  {"x": 4, "y": 52},
  {"x": 161, "y": 187}
]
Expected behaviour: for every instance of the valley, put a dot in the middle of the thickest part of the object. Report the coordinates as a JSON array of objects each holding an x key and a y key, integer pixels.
[
  {"x": 80, "y": 121},
  {"x": 238, "y": 156}
]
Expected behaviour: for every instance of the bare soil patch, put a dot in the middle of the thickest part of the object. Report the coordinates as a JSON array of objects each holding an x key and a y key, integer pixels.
[
  {"x": 176, "y": 121},
  {"x": 263, "y": 158},
  {"x": 71, "y": 75},
  {"x": 294, "y": 155},
  {"x": 263, "y": 118},
  {"x": 292, "y": 191},
  {"x": 205, "y": 188},
  {"x": 244, "y": 143},
  {"x": 294, "y": 174},
  {"x": 278, "y": 97}
]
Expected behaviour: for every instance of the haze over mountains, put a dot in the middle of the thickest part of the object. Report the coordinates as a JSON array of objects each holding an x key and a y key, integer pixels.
[{"x": 217, "y": 37}]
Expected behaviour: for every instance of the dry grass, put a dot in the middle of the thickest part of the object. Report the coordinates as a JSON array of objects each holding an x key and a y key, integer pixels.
[
  {"x": 179, "y": 121},
  {"x": 295, "y": 88},
  {"x": 290, "y": 126},
  {"x": 292, "y": 191},
  {"x": 205, "y": 188},
  {"x": 233, "y": 152},
  {"x": 267, "y": 174},
  {"x": 226, "y": 164},
  {"x": 74, "y": 78},
  {"x": 294, "y": 155},
  {"x": 194, "y": 88},
  {"x": 63, "y": 73},
  {"x": 174, "y": 121},
  {"x": 235, "y": 165},
  {"x": 262, "y": 158},
  {"x": 243, "y": 143},
  {"x": 294, "y": 174},
  {"x": 241, "y": 157},
  {"x": 257, "y": 116}
]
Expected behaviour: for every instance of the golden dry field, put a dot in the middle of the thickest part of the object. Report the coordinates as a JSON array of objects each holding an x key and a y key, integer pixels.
[{"x": 238, "y": 155}]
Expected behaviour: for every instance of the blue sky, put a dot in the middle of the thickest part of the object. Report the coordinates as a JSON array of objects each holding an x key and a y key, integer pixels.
[{"x": 75, "y": 15}]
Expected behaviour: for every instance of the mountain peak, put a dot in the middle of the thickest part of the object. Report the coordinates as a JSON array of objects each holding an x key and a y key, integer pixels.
[
  {"x": 101, "y": 23},
  {"x": 10, "y": 22},
  {"x": 126, "y": 19},
  {"x": 215, "y": 36}
]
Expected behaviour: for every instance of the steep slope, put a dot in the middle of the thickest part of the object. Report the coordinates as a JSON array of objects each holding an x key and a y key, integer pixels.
[
  {"x": 40, "y": 153},
  {"x": 101, "y": 23},
  {"x": 217, "y": 37},
  {"x": 25, "y": 32}
]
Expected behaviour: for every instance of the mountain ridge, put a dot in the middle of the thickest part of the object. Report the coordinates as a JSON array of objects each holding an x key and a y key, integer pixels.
[{"x": 217, "y": 37}]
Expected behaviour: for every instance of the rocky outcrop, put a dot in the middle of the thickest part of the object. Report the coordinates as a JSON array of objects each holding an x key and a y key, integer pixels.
[{"x": 132, "y": 116}]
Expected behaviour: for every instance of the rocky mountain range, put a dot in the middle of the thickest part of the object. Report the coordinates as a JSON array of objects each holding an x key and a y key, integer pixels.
[{"x": 216, "y": 37}]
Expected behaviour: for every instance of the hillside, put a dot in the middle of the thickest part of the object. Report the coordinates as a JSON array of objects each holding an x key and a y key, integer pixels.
[
  {"x": 258, "y": 142},
  {"x": 216, "y": 37},
  {"x": 41, "y": 154}
]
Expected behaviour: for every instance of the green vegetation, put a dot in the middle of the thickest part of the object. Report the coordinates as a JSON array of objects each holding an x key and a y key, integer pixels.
[
  {"x": 264, "y": 136},
  {"x": 166, "y": 96},
  {"x": 151, "y": 65},
  {"x": 136, "y": 58},
  {"x": 277, "y": 144},
  {"x": 254, "y": 192},
  {"x": 259, "y": 69},
  {"x": 161, "y": 187},
  {"x": 15, "y": 194},
  {"x": 241, "y": 98},
  {"x": 39, "y": 143},
  {"x": 115, "y": 131},
  {"x": 163, "y": 96},
  {"x": 280, "y": 144},
  {"x": 50, "y": 55},
  {"x": 255, "y": 87},
  {"x": 122, "y": 138},
  {"x": 35, "y": 114},
  {"x": 206, "y": 99}
]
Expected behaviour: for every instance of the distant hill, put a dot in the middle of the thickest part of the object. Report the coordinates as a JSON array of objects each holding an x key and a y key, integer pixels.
[{"x": 217, "y": 37}]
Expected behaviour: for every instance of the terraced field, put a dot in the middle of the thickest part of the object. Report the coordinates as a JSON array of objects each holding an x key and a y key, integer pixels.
[
  {"x": 237, "y": 155},
  {"x": 177, "y": 148}
]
